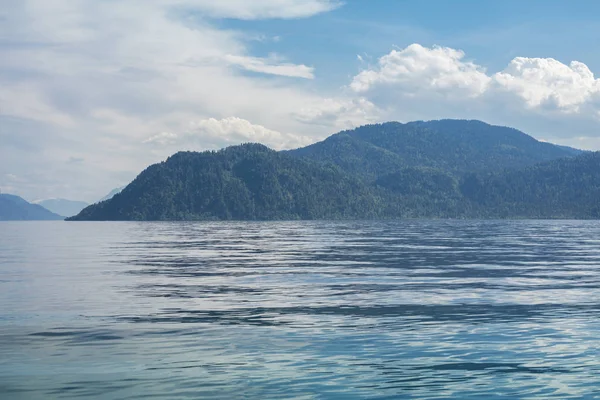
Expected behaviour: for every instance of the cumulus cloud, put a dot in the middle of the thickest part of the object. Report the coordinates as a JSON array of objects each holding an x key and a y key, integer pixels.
[
  {"x": 548, "y": 83},
  {"x": 218, "y": 133},
  {"x": 338, "y": 113},
  {"x": 417, "y": 69},
  {"x": 420, "y": 83}
]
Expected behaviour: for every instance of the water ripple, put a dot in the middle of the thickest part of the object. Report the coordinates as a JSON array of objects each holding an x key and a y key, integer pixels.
[{"x": 304, "y": 310}]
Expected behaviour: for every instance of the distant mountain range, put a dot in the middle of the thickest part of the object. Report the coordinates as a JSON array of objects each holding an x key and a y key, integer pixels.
[
  {"x": 111, "y": 194},
  {"x": 14, "y": 208},
  {"x": 64, "y": 207},
  {"x": 435, "y": 169}
]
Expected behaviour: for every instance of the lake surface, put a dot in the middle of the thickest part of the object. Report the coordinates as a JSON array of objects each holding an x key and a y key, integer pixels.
[{"x": 306, "y": 310}]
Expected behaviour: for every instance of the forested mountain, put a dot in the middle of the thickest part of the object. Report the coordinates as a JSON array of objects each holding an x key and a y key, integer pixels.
[
  {"x": 64, "y": 207},
  {"x": 438, "y": 169},
  {"x": 454, "y": 146},
  {"x": 14, "y": 208},
  {"x": 241, "y": 182}
]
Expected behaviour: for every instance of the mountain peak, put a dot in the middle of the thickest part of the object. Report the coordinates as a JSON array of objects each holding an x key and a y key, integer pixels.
[{"x": 456, "y": 146}]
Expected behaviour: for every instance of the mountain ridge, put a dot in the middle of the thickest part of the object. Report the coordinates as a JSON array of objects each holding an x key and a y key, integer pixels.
[
  {"x": 248, "y": 181},
  {"x": 457, "y": 146},
  {"x": 433, "y": 169}
]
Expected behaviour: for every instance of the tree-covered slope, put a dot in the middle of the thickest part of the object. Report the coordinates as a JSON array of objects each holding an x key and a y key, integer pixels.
[
  {"x": 353, "y": 155},
  {"x": 455, "y": 146},
  {"x": 244, "y": 182},
  {"x": 565, "y": 188},
  {"x": 421, "y": 192},
  {"x": 14, "y": 208}
]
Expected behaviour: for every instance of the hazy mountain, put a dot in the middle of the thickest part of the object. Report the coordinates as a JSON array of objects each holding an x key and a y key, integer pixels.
[
  {"x": 111, "y": 194},
  {"x": 14, "y": 208},
  {"x": 66, "y": 208},
  {"x": 438, "y": 169}
]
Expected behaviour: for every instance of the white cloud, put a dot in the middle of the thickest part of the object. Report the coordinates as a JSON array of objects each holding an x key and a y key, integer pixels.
[
  {"x": 96, "y": 79},
  {"x": 217, "y": 133},
  {"x": 273, "y": 67},
  {"x": 548, "y": 83},
  {"x": 438, "y": 82},
  {"x": 257, "y": 9},
  {"x": 338, "y": 113},
  {"x": 163, "y": 139},
  {"x": 417, "y": 69}
]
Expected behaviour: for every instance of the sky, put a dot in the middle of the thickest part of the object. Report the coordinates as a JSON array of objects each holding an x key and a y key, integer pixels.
[{"x": 92, "y": 92}]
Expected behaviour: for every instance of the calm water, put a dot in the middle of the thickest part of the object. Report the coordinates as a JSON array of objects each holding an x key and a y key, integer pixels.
[{"x": 307, "y": 310}]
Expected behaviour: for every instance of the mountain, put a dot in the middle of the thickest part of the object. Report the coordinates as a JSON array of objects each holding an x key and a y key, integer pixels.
[
  {"x": 14, "y": 208},
  {"x": 436, "y": 169},
  {"x": 66, "y": 208},
  {"x": 111, "y": 194},
  {"x": 241, "y": 182},
  {"x": 454, "y": 146}
]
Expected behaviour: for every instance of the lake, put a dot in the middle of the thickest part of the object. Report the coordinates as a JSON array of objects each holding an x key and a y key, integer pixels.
[{"x": 303, "y": 310}]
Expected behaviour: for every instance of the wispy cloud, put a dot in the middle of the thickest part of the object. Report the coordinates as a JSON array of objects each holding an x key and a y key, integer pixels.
[
  {"x": 97, "y": 78},
  {"x": 257, "y": 9},
  {"x": 272, "y": 67}
]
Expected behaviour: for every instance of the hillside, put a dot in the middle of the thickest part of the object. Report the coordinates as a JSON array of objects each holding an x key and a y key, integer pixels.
[
  {"x": 454, "y": 146},
  {"x": 241, "y": 182},
  {"x": 565, "y": 188},
  {"x": 14, "y": 208}
]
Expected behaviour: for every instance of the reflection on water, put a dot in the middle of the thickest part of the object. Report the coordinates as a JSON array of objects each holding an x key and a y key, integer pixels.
[{"x": 307, "y": 310}]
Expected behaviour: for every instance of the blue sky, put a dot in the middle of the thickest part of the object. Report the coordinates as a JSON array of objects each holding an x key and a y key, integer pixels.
[
  {"x": 490, "y": 32},
  {"x": 92, "y": 92}
]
